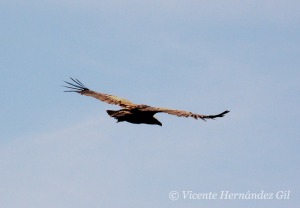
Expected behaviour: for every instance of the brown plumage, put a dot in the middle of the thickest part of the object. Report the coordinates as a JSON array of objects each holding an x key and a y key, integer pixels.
[{"x": 131, "y": 112}]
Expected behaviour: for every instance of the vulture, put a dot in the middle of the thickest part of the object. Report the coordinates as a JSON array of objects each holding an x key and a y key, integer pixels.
[{"x": 130, "y": 112}]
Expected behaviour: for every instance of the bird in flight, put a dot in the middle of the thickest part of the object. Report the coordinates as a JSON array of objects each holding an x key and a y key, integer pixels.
[{"x": 130, "y": 112}]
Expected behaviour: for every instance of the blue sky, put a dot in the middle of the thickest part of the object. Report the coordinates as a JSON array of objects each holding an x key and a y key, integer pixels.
[{"x": 63, "y": 150}]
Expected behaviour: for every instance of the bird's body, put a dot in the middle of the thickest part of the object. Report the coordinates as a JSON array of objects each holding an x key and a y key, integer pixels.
[
  {"x": 131, "y": 112},
  {"x": 135, "y": 116}
]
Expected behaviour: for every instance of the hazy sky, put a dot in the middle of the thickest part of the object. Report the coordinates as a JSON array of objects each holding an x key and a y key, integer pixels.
[{"x": 62, "y": 150}]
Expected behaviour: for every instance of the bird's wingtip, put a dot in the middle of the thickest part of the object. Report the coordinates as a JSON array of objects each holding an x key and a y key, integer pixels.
[{"x": 77, "y": 86}]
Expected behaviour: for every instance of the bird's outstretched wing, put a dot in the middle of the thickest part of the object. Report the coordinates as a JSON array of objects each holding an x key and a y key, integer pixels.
[
  {"x": 182, "y": 113},
  {"x": 78, "y": 87}
]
